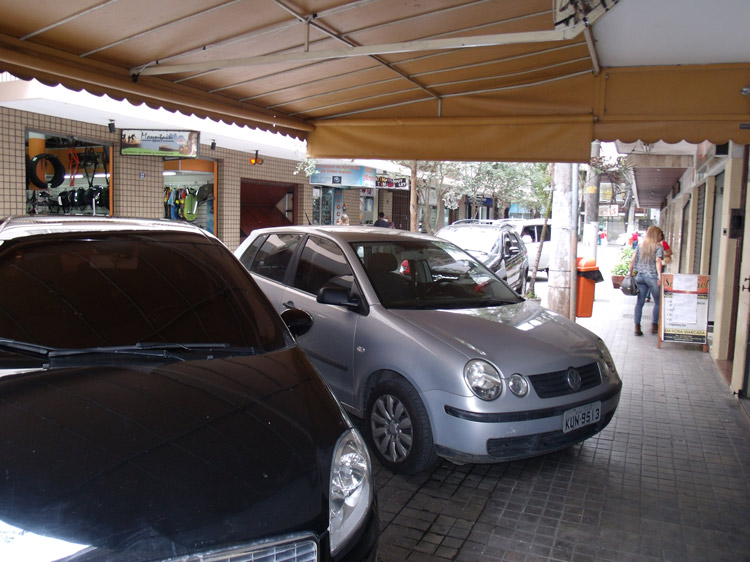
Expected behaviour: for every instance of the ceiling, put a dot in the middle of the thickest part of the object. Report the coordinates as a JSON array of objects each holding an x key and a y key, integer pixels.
[{"x": 657, "y": 168}]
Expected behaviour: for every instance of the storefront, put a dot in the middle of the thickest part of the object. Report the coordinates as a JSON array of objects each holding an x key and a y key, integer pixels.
[
  {"x": 67, "y": 175},
  {"x": 190, "y": 192},
  {"x": 359, "y": 192},
  {"x": 58, "y": 166}
]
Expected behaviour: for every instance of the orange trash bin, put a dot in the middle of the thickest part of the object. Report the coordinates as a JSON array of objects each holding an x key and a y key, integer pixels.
[{"x": 588, "y": 276}]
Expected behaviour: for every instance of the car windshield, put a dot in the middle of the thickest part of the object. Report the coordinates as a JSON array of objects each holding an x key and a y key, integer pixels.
[
  {"x": 475, "y": 238},
  {"x": 430, "y": 274},
  {"x": 109, "y": 289}
]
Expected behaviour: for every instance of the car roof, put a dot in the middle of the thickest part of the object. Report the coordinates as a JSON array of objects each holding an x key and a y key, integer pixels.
[
  {"x": 348, "y": 233},
  {"x": 21, "y": 226}
]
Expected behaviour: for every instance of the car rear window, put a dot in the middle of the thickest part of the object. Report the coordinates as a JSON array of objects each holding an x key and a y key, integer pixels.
[
  {"x": 473, "y": 237},
  {"x": 110, "y": 289},
  {"x": 274, "y": 256}
]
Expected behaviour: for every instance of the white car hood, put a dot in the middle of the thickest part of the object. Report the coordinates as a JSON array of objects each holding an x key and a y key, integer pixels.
[{"x": 524, "y": 337}]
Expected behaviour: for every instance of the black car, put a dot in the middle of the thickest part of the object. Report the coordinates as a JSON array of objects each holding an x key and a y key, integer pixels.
[
  {"x": 496, "y": 245},
  {"x": 153, "y": 406}
]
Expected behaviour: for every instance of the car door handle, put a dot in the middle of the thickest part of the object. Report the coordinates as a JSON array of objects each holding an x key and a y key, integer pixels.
[{"x": 288, "y": 304}]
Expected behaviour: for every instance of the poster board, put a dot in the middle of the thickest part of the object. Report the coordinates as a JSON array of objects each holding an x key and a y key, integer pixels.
[
  {"x": 684, "y": 309},
  {"x": 162, "y": 143}
]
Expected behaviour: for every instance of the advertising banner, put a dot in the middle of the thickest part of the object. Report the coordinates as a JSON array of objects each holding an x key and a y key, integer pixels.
[
  {"x": 362, "y": 177},
  {"x": 154, "y": 142},
  {"x": 342, "y": 175}
]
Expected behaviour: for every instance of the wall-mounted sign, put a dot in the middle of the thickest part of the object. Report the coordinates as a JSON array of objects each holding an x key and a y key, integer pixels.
[
  {"x": 343, "y": 175},
  {"x": 154, "y": 142},
  {"x": 363, "y": 177},
  {"x": 392, "y": 182}
]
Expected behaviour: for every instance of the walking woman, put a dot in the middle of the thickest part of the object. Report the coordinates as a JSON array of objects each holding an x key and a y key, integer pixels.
[{"x": 647, "y": 263}]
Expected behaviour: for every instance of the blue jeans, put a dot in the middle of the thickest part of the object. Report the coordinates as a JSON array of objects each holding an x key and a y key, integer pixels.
[{"x": 646, "y": 282}]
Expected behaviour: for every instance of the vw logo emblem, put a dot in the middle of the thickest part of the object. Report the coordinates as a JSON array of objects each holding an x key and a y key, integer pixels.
[{"x": 574, "y": 379}]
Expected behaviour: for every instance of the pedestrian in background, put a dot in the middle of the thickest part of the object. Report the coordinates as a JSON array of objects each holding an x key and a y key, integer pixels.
[
  {"x": 381, "y": 220},
  {"x": 647, "y": 263},
  {"x": 665, "y": 260}
]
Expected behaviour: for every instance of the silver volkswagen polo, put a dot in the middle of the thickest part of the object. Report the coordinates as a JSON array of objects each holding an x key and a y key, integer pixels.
[{"x": 436, "y": 354}]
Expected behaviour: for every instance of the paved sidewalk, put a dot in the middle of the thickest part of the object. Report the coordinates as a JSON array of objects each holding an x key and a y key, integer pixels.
[{"x": 668, "y": 479}]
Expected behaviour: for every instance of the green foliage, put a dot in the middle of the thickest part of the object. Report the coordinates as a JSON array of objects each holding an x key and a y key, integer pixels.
[
  {"x": 307, "y": 166},
  {"x": 507, "y": 182},
  {"x": 623, "y": 266}
]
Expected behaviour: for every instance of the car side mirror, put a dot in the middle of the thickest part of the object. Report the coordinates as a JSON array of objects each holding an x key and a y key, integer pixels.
[
  {"x": 298, "y": 321},
  {"x": 339, "y": 297},
  {"x": 526, "y": 239}
]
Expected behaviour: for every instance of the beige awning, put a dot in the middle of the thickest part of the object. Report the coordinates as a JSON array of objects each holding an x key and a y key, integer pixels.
[{"x": 450, "y": 79}]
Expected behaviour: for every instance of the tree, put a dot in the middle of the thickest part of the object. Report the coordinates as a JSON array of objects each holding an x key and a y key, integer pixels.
[
  {"x": 431, "y": 177},
  {"x": 506, "y": 182}
]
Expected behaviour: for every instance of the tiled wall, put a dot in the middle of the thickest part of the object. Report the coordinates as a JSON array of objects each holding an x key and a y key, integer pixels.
[
  {"x": 138, "y": 184},
  {"x": 351, "y": 200}
]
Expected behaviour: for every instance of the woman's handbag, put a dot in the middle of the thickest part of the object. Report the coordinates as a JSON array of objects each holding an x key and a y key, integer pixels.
[{"x": 629, "y": 286}]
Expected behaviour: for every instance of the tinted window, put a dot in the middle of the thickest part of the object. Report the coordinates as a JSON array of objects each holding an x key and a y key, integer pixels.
[
  {"x": 273, "y": 257},
  {"x": 547, "y": 233},
  {"x": 515, "y": 241},
  {"x": 249, "y": 254},
  {"x": 113, "y": 289},
  {"x": 473, "y": 237},
  {"x": 321, "y": 261},
  {"x": 530, "y": 231}
]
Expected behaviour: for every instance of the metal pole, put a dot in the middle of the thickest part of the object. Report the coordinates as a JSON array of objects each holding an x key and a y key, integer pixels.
[{"x": 574, "y": 243}]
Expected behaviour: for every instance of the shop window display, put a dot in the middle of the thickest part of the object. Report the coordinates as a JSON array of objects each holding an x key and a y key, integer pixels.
[
  {"x": 189, "y": 192},
  {"x": 67, "y": 175},
  {"x": 322, "y": 205}
]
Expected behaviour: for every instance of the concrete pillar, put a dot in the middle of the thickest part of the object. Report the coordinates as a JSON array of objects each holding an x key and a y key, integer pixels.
[
  {"x": 724, "y": 286},
  {"x": 559, "y": 285}
]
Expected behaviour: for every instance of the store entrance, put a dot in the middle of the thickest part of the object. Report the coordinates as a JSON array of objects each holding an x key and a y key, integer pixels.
[
  {"x": 265, "y": 204},
  {"x": 401, "y": 210},
  {"x": 190, "y": 192}
]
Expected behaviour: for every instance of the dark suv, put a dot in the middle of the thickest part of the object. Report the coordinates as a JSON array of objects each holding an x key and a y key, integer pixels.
[
  {"x": 497, "y": 246},
  {"x": 154, "y": 406}
]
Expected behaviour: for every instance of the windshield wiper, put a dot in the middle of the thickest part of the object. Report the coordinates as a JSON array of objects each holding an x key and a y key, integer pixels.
[
  {"x": 156, "y": 350},
  {"x": 180, "y": 351},
  {"x": 23, "y": 347}
]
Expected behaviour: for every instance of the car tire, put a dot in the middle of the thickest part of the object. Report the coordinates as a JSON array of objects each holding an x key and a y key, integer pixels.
[{"x": 398, "y": 428}]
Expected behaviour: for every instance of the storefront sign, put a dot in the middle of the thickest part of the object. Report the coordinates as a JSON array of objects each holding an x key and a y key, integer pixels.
[
  {"x": 343, "y": 175},
  {"x": 153, "y": 142},
  {"x": 392, "y": 182},
  {"x": 685, "y": 308},
  {"x": 356, "y": 176},
  {"x": 609, "y": 210}
]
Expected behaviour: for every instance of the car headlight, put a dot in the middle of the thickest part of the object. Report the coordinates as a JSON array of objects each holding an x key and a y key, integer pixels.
[
  {"x": 606, "y": 363},
  {"x": 483, "y": 379},
  {"x": 518, "y": 385},
  {"x": 351, "y": 488}
]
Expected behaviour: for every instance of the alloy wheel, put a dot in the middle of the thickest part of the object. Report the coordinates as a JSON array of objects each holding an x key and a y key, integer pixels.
[{"x": 391, "y": 428}]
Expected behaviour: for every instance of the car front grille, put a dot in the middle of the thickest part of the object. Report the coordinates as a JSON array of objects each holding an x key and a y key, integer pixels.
[
  {"x": 549, "y": 385},
  {"x": 541, "y": 443},
  {"x": 291, "y": 549}
]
